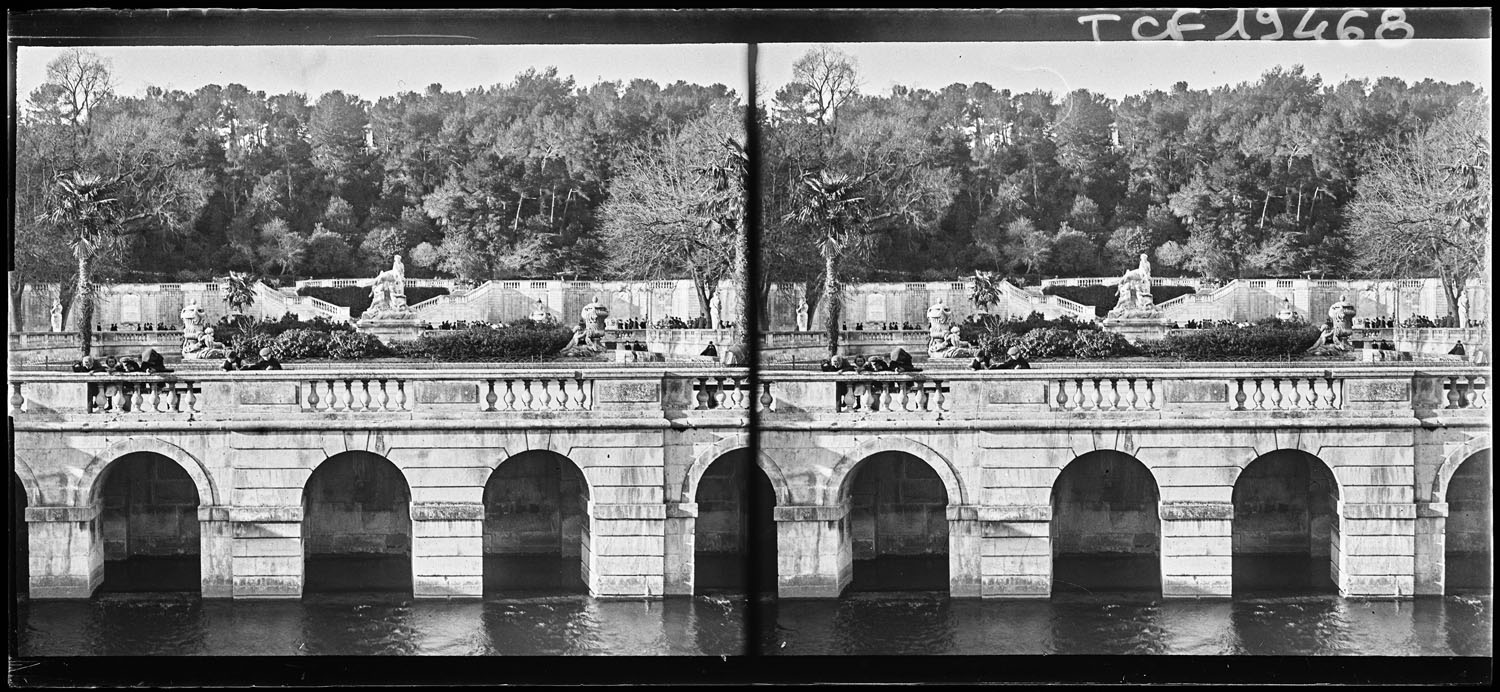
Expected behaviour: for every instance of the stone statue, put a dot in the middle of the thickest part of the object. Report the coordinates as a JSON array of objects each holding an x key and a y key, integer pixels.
[
  {"x": 1287, "y": 313},
  {"x": 588, "y": 336},
  {"x": 57, "y": 314},
  {"x": 713, "y": 311},
  {"x": 1338, "y": 328},
  {"x": 942, "y": 334},
  {"x": 1134, "y": 293},
  {"x": 388, "y": 294},
  {"x": 1463, "y": 310},
  {"x": 198, "y": 341},
  {"x": 539, "y": 312},
  {"x": 802, "y": 315}
]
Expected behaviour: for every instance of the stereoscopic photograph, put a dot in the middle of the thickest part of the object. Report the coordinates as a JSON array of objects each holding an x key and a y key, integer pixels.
[{"x": 1107, "y": 334}]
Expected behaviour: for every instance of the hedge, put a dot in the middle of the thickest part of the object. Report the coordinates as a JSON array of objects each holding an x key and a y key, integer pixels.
[
  {"x": 1053, "y": 342},
  {"x": 228, "y": 328},
  {"x": 1105, "y": 297},
  {"x": 357, "y": 298},
  {"x": 1258, "y": 341},
  {"x": 484, "y": 343}
]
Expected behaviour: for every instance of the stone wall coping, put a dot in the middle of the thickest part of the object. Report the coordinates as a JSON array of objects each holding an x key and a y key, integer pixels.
[{"x": 1105, "y": 369}]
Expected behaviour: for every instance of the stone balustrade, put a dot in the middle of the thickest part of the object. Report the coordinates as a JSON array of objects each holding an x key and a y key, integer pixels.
[{"x": 1043, "y": 393}]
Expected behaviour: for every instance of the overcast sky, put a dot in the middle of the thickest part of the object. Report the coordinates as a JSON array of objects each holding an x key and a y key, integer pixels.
[
  {"x": 1121, "y": 68},
  {"x": 1113, "y": 68},
  {"x": 375, "y": 71}
]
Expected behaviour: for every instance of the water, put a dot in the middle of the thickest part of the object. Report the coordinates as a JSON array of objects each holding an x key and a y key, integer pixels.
[{"x": 864, "y": 623}]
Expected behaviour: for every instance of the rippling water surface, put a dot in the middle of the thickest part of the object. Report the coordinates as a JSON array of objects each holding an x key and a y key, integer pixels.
[{"x": 866, "y": 623}]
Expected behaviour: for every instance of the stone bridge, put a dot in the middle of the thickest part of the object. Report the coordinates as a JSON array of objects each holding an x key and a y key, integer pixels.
[{"x": 1010, "y": 482}]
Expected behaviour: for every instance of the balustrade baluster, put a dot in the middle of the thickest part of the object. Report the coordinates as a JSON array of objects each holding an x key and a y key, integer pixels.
[
  {"x": 1153, "y": 402},
  {"x": 720, "y": 394},
  {"x": 364, "y": 395},
  {"x": 382, "y": 398},
  {"x": 765, "y": 396},
  {"x": 1481, "y": 392},
  {"x": 402, "y": 403},
  {"x": 941, "y": 401},
  {"x": 194, "y": 405},
  {"x": 174, "y": 405},
  {"x": 135, "y": 395},
  {"x": 1062, "y": 394},
  {"x": 1276, "y": 393},
  {"x": 1260, "y": 396},
  {"x": 526, "y": 396},
  {"x": 885, "y": 395},
  {"x": 1335, "y": 393},
  {"x": 1131, "y": 400},
  {"x": 16, "y": 400},
  {"x": 119, "y": 399},
  {"x": 906, "y": 395},
  {"x": 1469, "y": 392},
  {"x": 312, "y": 395},
  {"x": 510, "y": 396},
  {"x": 1452, "y": 387},
  {"x": 737, "y": 395},
  {"x": 1095, "y": 396},
  {"x": 1238, "y": 385},
  {"x": 578, "y": 395},
  {"x": 489, "y": 396},
  {"x": 546, "y": 396},
  {"x": 701, "y": 384},
  {"x": 156, "y": 396},
  {"x": 1111, "y": 393},
  {"x": 1297, "y": 383}
]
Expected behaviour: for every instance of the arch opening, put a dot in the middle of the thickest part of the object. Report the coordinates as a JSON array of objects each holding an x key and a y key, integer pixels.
[
  {"x": 734, "y": 536},
  {"x": 148, "y": 525},
  {"x": 536, "y": 525},
  {"x": 20, "y": 544},
  {"x": 1106, "y": 526},
  {"x": 1469, "y": 530},
  {"x": 356, "y": 526},
  {"x": 898, "y": 525},
  {"x": 1285, "y": 532}
]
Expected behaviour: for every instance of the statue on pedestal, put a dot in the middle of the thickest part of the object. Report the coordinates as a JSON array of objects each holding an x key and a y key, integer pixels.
[
  {"x": 588, "y": 336},
  {"x": 802, "y": 315},
  {"x": 539, "y": 312},
  {"x": 942, "y": 335},
  {"x": 1133, "y": 294},
  {"x": 388, "y": 294},
  {"x": 1287, "y": 313},
  {"x": 714, "y": 306},
  {"x": 1337, "y": 329},
  {"x": 194, "y": 346},
  {"x": 57, "y": 316}
]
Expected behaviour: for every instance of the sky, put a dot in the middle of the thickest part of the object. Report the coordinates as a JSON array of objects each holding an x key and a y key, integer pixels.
[
  {"x": 375, "y": 71},
  {"x": 1115, "y": 69},
  {"x": 1120, "y": 68}
]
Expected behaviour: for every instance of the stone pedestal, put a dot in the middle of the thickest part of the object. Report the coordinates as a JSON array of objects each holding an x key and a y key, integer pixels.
[
  {"x": 1138, "y": 329},
  {"x": 393, "y": 329},
  {"x": 814, "y": 558}
]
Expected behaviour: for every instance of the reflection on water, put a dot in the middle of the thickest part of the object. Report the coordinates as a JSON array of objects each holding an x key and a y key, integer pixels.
[{"x": 868, "y": 623}]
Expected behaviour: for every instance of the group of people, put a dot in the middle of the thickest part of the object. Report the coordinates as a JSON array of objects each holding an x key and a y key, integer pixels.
[
  {"x": 899, "y": 361},
  {"x": 671, "y": 322},
  {"x": 1417, "y": 322},
  {"x": 465, "y": 324},
  {"x": 880, "y": 326},
  {"x": 150, "y": 362},
  {"x": 264, "y": 360},
  {"x": 137, "y": 326},
  {"x": 1015, "y": 359}
]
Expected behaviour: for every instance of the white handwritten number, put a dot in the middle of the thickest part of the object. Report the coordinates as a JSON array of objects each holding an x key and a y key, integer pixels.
[
  {"x": 1269, "y": 16},
  {"x": 1238, "y": 28},
  {"x": 1394, "y": 19},
  {"x": 1094, "y": 19},
  {"x": 1351, "y": 33},
  {"x": 1317, "y": 31}
]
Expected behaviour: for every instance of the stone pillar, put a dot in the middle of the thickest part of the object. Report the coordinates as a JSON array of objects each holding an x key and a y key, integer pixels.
[
  {"x": 267, "y": 551},
  {"x": 965, "y": 552},
  {"x": 215, "y": 552},
  {"x": 681, "y": 525},
  {"x": 1377, "y": 552},
  {"x": 447, "y": 549},
  {"x": 814, "y": 558},
  {"x": 1197, "y": 549},
  {"x": 66, "y": 551},
  {"x": 1430, "y": 545},
  {"x": 624, "y": 549},
  {"x": 1016, "y": 551}
]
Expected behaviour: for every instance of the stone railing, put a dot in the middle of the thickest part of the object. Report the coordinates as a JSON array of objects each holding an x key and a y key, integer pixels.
[{"x": 467, "y": 394}]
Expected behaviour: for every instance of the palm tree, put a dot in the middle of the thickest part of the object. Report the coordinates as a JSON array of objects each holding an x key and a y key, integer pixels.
[
  {"x": 241, "y": 293},
  {"x": 728, "y": 212},
  {"x": 84, "y": 202},
  {"x": 828, "y": 206},
  {"x": 986, "y": 292}
]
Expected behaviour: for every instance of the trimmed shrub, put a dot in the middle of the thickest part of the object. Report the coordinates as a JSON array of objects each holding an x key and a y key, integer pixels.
[
  {"x": 355, "y": 345},
  {"x": 1106, "y": 297},
  {"x": 302, "y": 343},
  {"x": 1260, "y": 341},
  {"x": 1101, "y": 344},
  {"x": 357, "y": 298},
  {"x": 483, "y": 343},
  {"x": 247, "y": 346}
]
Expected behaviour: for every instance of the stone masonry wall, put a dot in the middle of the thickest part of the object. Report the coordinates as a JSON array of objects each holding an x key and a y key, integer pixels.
[
  {"x": 534, "y": 506},
  {"x": 150, "y": 508},
  {"x": 357, "y": 504},
  {"x": 1105, "y": 503},
  {"x": 897, "y": 507}
]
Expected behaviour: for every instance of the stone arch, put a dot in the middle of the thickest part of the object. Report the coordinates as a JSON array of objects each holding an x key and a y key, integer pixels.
[
  {"x": 93, "y": 473},
  {"x": 29, "y": 483},
  {"x": 724, "y": 446},
  {"x": 1451, "y": 463},
  {"x": 1150, "y": 472},
  {"x": 587, "y": 485},
  {"x": 843, "y": 473},
  {"x": 1338, "y": 486}
]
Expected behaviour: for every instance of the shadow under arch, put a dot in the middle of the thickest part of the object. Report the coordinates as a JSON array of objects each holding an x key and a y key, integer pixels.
[
  {"x": 356, "y": 525},
  {"x": 843, "y": 472},
  {"x": 27, "y": 480},
  {"x": 1468, "y": 531},
  {"x": 1106, "y": 525},
  {"x": 149, "y": 532},
  {"x": 734, "y": 532},
  {"x": 1287, "y": 527},
  {"x": 538, "y": 527},
  {"x": 90, "y": 481},
  {"x": 704, "y": 460},
  {"x": 1444, "y": 476}
]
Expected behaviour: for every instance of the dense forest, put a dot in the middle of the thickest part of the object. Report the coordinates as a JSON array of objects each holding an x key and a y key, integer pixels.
[{"x": 544, "y": 177}]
